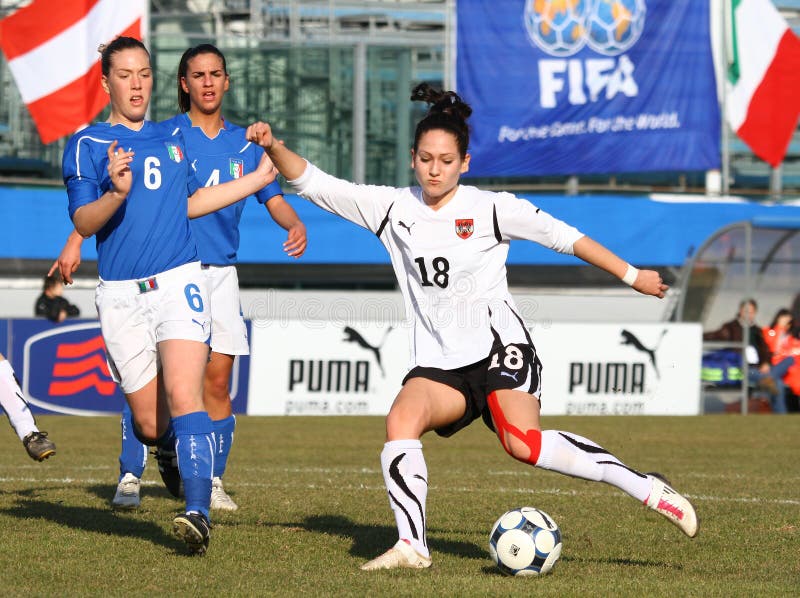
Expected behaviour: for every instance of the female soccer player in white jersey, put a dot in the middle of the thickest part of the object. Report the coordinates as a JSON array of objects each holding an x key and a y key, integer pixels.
[
  {"x": 130, "y": 184},
  {"x": 471, "y": 354},
  {"x": 220, "y": 153}
]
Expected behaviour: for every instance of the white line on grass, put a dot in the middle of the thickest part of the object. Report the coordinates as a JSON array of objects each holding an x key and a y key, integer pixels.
[{"x": 462, "y": 489}]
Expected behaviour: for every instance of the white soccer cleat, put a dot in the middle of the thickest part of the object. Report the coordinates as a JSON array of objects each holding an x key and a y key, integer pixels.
[
  {"x": 127, "y": 495},
  {"x": 665, "y": 500},
  {"x": 401, "y": 555},
  {"x": 219, "y": 498}
]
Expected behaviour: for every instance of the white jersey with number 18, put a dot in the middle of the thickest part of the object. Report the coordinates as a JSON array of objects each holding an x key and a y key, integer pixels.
[{"x": 449, "y": 263}]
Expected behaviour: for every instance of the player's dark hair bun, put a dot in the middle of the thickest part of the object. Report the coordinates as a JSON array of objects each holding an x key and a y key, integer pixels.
[{"x": 443, "y": 102}]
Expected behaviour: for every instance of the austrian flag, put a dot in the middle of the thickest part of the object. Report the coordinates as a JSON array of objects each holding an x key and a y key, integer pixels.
[{"x": 51, "y": 49}]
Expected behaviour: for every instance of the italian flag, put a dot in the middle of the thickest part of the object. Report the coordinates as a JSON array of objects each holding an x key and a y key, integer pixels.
[
  {"x": 51, "y": 49},
  {"x": 763, "y": 101}
]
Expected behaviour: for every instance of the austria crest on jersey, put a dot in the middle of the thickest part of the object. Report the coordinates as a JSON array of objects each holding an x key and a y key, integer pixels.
[
  {"x": 237, "y": 168},
  {"x": 465, "y": 227},
  {"x": 175, "y": 152}
]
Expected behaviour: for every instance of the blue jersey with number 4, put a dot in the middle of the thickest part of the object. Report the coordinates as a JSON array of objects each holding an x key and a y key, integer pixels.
[
  {"x": 224, "y": 158},
  {"x": 150, "y": 232}
]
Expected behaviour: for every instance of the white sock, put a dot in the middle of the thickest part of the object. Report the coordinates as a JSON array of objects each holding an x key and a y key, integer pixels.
[
  {"x": 13, "y": 403},
  {"x": 406, "y": 477},
  {"x": 579, "y": 457}
]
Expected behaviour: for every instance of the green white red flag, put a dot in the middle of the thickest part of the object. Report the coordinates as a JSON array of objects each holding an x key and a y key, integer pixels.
[{"x": 763, "y": 99}]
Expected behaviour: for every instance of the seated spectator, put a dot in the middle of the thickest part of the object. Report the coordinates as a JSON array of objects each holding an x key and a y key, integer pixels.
[
  {"x": 785, "y": 348},
  {"x": 52, "y": 305},
  {"x": 761, "y": 372}
]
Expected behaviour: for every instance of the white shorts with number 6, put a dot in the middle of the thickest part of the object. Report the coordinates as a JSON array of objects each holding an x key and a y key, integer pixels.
[{"x": 136, "y": 315}]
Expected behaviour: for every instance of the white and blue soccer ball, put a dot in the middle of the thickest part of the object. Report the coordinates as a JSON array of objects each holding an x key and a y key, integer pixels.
[
  {"x": 525, "y": 541},
  {"x": 614, "y": 26}
]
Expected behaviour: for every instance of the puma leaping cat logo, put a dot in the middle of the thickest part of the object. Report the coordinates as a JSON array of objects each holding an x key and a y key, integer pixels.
[
  {"x": 352, "y": 336},
  {"x": 405, "y": 226},
  {"x": 628, "y": 338}
]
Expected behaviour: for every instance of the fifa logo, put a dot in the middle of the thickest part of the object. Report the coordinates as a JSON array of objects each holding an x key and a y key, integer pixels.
[{"x": 562, "y": 28}]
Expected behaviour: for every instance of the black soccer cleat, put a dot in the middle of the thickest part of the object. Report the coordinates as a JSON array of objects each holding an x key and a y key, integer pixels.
[
  {"x": 194, "y": 529},
  {"x": 168, "y": 468},
  {"x": 38, "y": 446}
]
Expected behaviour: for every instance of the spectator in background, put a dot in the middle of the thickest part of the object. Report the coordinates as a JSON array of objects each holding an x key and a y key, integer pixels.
[
  {"x": 759, "y": 357},
  {"x": 785, "y": 348},
  {"x": 52, "y": 305},
  {"x": 795, "y": 309}
]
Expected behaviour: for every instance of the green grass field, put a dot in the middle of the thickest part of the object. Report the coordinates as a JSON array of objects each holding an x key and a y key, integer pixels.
[{"x": 313, "y": 508}]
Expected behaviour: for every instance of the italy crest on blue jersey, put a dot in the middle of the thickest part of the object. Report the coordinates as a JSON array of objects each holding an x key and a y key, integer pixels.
[
  {"x": 236, "y": 168},
  {"x": 175, "y": 153}
]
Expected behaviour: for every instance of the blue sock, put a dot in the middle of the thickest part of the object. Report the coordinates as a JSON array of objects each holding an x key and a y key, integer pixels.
[
  {"x": 168, "y": 438},
  {"x": 223, "y": 434},
  {"x": 195, "y": 449},
  {"x": 133, "y": 456}
]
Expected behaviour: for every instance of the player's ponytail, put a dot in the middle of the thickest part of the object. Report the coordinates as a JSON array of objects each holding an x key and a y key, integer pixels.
[
  {"x": 184, "y": 102},
  {"x": 447, "y": 112}
]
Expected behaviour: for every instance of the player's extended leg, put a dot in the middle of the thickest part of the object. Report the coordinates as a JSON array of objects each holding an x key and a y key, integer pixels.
[
  {"x": 421, "y": 405},
  {"x": 516, "y": 419},
  {"x": 132, "y": 461},
  {"x": 183, "y": 363},
  {"x": 37, "y": 444},
  {"x": 217, "y": 400}
]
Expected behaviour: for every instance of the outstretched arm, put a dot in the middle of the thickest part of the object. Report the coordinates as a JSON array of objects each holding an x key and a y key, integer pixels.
[
  {"x": 284, "y": 214},
  {"x": 289, "y": 164},
  {"x": 210, "y": 199},
  {"x": 647, "y": 282}
]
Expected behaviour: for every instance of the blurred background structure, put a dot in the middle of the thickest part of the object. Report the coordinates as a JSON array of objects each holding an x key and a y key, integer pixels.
[{"x": 334, "y": 76}]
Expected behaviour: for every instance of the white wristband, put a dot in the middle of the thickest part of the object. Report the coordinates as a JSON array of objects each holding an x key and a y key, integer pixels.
[{"x": 630, "y": 275}]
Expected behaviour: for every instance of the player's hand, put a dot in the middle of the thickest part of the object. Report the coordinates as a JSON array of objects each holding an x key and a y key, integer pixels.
[
  {"x": 261, "y": 134},
  {"x": 649, "y": 282},
  {"x": 119, "y": 170},
  {"x": 296, "y": 243},
  {"x": 267, "y": 169},
  {"x": 67, "y": 262}
]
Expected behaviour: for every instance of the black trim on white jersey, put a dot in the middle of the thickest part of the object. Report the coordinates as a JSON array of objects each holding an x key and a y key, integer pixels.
[
  {"x": 384, "y": 221},
  {"x": 497, "y": 234}
]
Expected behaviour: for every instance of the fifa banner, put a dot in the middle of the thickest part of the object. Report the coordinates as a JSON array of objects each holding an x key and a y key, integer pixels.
[
  {"x": 327, "y": 368},
  {"x": 63, "y": 368},
  {"x": 587, "y": 86}
]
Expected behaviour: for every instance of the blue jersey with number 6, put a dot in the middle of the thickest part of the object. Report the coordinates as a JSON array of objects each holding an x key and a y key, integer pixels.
[
  {"x": 216, "y": 160},
  {"x": 150, "y": 232}
]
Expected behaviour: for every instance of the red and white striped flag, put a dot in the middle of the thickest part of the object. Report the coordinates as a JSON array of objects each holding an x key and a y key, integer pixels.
[{"x": 51, "y": 48}]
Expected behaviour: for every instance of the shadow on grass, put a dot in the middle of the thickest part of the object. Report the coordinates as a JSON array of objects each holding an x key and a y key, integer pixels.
[
  {"x": 106, "y": 492},
  {"x": 370, "y": 540},
  {"x": 91, "y": 519}
]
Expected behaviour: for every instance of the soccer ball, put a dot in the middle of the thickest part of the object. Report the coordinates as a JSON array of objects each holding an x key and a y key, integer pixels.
[
  {"x": 557, "y": 27},
  {"x": 615, "y": 25},
  {"x": 525, "y": 541}
]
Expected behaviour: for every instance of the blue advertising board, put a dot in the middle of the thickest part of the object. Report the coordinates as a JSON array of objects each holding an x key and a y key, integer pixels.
[
  {"x": 62, "y": 368},
  {"x": 587, "y": 86}
]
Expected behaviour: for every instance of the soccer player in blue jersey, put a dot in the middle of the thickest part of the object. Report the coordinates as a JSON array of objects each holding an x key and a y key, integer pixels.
[
  {"x": 130, "y": 183},
  {"x": 220, "y": 153}
]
